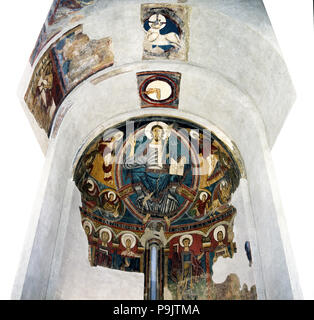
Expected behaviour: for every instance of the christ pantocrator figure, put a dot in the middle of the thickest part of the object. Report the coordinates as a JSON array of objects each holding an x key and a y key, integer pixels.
[{"x": 153, "y": 170}]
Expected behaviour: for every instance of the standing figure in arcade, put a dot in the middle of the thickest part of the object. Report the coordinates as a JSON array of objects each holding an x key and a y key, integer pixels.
[
  {"x": 130, "y": 259},
  {"x": 190, "y": 268},
  {"x": 92, "y": 242},
  {"x": 104, "y": 248}
]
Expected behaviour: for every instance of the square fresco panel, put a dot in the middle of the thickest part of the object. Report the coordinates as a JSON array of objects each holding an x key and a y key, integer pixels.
[
  {"x": 62, "y": 8},
  {"x": 70, "y": 60}
]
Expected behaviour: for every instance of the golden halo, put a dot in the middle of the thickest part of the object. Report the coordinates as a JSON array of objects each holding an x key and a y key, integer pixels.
[
  {"x": 92, "y": 183},
  {"x": 222, "y": 229},
  {"x": 186, "y": 236},
  {"x": 114, "y": 195},
  {"x": 102, "y": 230},
  {"x": 87, "y": 223},
  {"x": 202, "y": 193},
  {"x": 148, "y": 129}
]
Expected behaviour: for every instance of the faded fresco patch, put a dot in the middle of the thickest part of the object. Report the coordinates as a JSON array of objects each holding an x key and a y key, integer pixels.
[
  {"x": 231, "y": 289},
  {"x": 62, "y": 8},
  {"x": 71, "y": 59},
  {"x": 166, "y": 29}
]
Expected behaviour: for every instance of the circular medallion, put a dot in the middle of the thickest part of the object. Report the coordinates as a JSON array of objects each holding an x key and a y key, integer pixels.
[{"x": 158, "y": 89}]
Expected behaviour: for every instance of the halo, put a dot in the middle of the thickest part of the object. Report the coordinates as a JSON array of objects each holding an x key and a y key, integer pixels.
[
  {"x": 92, "y": 183},
  {"x": 127, "y": 236},
  {"x": 87, "y": 223},
  {"x": 155, "y": 16},
  {"x": 186, "y": 236},
  {"x": 114, "y": 195},
  {"x": 102, "y": 230},
  {"x": 219, "y": 228},
  {"x": 202, "y": 193},
  {"x": 194, "y": 134},
  {"x": 148, "y": 129}
]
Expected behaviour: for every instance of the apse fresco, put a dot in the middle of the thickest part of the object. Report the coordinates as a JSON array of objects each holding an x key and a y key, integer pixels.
[
  {"x": 70, "y": 60},
  {"x": 62, "y": 8},
  {"x": 156, "y": 198},
  {"x": 166, "y": 31}
]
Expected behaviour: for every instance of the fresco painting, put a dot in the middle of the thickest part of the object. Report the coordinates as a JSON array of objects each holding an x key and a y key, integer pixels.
[
  {"x": 159, "y": 89},
  {"x": 165, "y": 31},
  {"x": 71, "y": 59},
  {"x": 78, "y": 57},
  {"x": 163, "y": 186}
]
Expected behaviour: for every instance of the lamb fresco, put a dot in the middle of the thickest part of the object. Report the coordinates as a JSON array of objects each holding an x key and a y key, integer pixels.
[
  {"x": 162, "y": 187},
  {"x": 166, "y": 31}
]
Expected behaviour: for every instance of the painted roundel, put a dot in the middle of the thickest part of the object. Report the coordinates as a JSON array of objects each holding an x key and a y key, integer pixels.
[
  {"x": 159, "y": 89},
  {"x": 156, "y": 169}
]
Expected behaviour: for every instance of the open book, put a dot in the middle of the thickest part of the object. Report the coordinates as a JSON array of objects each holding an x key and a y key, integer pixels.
[{"x": 177, "y": 168}]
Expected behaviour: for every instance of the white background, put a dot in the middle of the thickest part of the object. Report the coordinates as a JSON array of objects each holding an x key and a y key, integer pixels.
[{"x": 22, "y": 161}]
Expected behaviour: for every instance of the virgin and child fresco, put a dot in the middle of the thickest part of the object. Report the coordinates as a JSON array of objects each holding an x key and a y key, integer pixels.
[{"x": 167, "y": 181}]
